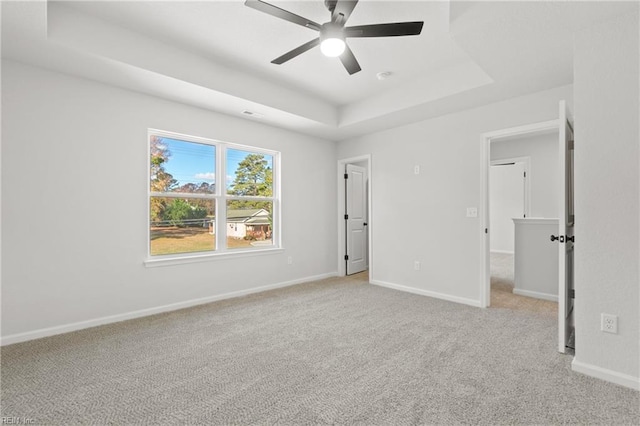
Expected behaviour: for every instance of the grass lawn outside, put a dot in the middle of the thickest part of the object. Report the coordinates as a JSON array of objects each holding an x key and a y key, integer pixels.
[{"x": 172, "y": 240}]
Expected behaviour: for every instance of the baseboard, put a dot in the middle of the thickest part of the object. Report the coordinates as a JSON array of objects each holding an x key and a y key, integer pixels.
[
  {"x": 535, "y": 294},
  {"x": 428, "y": 293},
  {"x": 52, "y": 331},
  {"x": 501, "y": 251},
  {"x": 606, "y": 375}
]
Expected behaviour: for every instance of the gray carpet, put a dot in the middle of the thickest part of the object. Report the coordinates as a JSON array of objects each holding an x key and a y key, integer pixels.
[
  {"x": 337, "y": 351},
  {"x": 502, "y": 271}
]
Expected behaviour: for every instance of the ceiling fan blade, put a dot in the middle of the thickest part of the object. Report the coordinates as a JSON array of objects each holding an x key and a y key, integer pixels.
[
  {"x": 295, "y": 52},
  {"x": 344, "y": 8},
  {"x": 349, "y": 61},
  {"x": 385, "y": 30},
  {"x": 282, "y": 14}
]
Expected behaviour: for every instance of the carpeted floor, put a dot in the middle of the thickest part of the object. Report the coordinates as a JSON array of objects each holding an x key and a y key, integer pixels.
[{"x": 336, "y": 351}]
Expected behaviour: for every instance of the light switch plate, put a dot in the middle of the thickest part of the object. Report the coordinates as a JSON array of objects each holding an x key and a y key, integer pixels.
[{"x": 472, "y": 212}]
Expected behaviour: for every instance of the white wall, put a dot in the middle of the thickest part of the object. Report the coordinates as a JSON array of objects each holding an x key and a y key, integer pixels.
[
  {"x": 536, "y": 261},
  {"x": 506, "y": 200},
  {"x": 606, "y": 74},
  {"x": 542, "y": 175},
  {"x": 544, "y": 170},
  {"x": 448, "y": 151},
  {"x": 74, "y": 197}
]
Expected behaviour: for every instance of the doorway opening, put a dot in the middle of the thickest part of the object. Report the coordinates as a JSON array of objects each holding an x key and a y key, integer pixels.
[
  {"x": 543, "y": 245},
  {"x": 500, "y": 203},
  {"x": 509, "y": 198},
  {"x": 520, "y": 222},
  {"x": 354, "y": 216}
]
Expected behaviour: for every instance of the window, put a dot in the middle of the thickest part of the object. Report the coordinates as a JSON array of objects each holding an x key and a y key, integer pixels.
[{"x": 208, "y": 196}]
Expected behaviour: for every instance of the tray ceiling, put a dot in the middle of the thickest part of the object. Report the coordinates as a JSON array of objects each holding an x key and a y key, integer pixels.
[{"x": 217, "y": 54}]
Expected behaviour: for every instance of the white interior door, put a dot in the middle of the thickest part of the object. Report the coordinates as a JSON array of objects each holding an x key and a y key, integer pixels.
[
  {"x": 507, "y": 201},
  {"x": 356, "y": 218},
  {"x": 565, "y": 239}
]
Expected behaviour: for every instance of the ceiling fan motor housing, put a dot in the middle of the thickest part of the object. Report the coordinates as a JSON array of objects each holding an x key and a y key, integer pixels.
[{"x": 331, "y": 30}]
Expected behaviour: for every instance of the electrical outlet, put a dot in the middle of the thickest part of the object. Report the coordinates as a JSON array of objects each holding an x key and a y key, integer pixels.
[
  {"x": 416, "y": 170},
  {"x": 416, "y": 265},
  {"x": 609, "y": 323},
  {"x": 290, "y": 260}
]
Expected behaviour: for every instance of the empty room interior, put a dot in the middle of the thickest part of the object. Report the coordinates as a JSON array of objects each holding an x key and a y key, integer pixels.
[{"x": 305, "y": 212}]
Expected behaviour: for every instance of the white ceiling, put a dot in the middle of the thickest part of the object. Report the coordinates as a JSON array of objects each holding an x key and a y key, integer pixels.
[
  {"x": 241, "y": 37},
  {"x": 216, "y": 55}
]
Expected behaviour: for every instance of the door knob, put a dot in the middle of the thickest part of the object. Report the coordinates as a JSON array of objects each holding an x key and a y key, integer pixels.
[
  {"x": 559, "y": 238},
  {"x": 554, "y": 237}
]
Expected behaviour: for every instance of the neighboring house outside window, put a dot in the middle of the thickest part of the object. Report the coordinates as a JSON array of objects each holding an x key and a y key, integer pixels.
[
  {"x": 208, "y": 196},
  {"x": 249, "y": 224}
]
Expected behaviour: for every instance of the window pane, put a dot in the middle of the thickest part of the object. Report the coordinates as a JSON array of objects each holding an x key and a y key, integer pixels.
[
  {"x": 249, "y": 224},
  {"x": 249, "y": 174},
  {"x": 180, "y": 166},
  {"x": 181, "y": 225}
]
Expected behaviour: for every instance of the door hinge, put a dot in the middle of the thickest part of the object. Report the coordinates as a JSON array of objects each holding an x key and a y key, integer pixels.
[
  {"x": 346, "y": 257},
  {"x": 346, "y": 176},
  {"x": 572, "y": 293},
  {"x": 486, "y": 230},
  {"x": 570, "y": 144},
  {"x": 525, "y": 174},
  {"x": 346, "y": 217}
]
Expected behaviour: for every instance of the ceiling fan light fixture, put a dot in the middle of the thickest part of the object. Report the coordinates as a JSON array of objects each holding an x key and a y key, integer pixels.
[
  {"x": 332, "y": 47},
  {"x": 333, "y": 33},
  {"x": 332, "y": 40}
]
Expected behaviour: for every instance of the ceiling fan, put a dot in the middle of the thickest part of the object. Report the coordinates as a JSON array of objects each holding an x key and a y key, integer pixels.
[{"x": 333, "y": 34}]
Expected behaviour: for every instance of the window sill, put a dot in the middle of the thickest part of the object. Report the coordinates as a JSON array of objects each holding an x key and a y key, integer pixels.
[{"x": 200, "y": 257}]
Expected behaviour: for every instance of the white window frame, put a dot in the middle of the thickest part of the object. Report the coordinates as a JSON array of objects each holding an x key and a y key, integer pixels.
[{"x": 220, "y": 197}]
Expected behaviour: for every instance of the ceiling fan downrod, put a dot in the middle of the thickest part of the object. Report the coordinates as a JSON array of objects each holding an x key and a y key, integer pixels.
[{"x": 330, "y": 4}]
